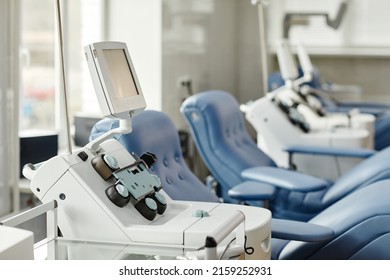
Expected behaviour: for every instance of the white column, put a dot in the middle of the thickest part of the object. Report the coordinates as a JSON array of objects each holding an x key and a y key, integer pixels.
[
  {"x": 9, "y": 140},
  {"x": 140, "y": 27}
]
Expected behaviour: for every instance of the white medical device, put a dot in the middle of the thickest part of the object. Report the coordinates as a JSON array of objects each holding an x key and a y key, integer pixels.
[
  {"x": 278, "y": 126},
  {"x": 285, "y": 117},
  {"x": 106, "y": 194},
  {"x": 316, "y": 118},
  {"x": 113, "y": 75}
]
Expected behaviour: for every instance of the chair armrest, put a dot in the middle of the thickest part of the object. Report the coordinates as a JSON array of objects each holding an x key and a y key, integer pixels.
[
  {"x": 300, "y": 231},
  {"x": 251, "y": 190},
  {"x": 329, "y": 151},
  {"x": 283, "y": 178}
]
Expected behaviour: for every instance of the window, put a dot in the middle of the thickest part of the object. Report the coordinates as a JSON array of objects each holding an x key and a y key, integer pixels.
[{"x": 39, "y": 84}]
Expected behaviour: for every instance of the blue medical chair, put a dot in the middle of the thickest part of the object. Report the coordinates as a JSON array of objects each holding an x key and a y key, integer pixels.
[
  {"x": 231, "y": 155},
  {"x": 359, "y": 224}
]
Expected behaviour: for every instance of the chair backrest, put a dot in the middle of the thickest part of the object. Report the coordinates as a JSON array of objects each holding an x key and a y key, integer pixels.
[
  {"x": 382, "y": 135},
  {"x": 154, "y": 132},
  {"x": 220, "y": 135}
]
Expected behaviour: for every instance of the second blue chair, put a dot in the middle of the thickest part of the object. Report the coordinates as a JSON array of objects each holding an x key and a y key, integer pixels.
[{"x": 232, "y": 156}]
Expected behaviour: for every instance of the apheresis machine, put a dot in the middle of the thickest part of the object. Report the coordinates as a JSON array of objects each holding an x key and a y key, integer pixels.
[
  {"x": 286, "y": 117},
  {"x": 106, "y": 194},
  {"x": 309, "y": 105}
]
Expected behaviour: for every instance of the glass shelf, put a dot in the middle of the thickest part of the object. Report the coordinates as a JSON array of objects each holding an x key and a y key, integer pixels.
[{"x": 65, "y": 249}]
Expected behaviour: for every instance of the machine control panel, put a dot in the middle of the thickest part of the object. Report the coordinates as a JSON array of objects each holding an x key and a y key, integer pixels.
[
  {"x": 119, "y": 210},
  {"x": 133, "y": 184}
]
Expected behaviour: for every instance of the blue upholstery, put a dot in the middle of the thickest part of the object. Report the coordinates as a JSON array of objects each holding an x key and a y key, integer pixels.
[
  {"x": 382, "y": 128},
  {"x": 227, "y": 143},
  {"x": 330, "y": 151},
  {"x": 218, "y": 131},
  {"x": 361, "y": 222},
  {"x": 356, "y": 227}
]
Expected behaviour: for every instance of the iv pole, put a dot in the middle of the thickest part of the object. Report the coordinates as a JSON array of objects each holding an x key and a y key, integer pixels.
[
  {"x": 263, "y": 45},
  {"x": 63, "y": 76}
]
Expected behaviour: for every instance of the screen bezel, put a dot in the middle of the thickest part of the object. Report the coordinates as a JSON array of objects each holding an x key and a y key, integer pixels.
[{"x": 118, "y": 107}]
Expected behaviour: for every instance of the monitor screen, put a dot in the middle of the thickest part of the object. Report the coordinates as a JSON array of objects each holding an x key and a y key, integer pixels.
[
  {"x": 119, "y": 73},
  {"x": 114, "y": 79}
]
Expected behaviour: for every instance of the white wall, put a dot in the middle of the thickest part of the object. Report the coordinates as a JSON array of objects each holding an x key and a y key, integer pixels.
[
  {"x": 216, "y": 44},
  {"x": 212, "y": 42},
  {"x": 357, "y": 53},
  {"x": 362, "y": 31},
  {"x": 199, "y": 42},
  {"x": 9, "y": 145},
  {"x": 138, "y": 23},
  {"x": 248, "y": 70}
]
